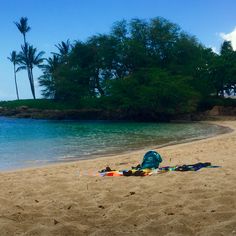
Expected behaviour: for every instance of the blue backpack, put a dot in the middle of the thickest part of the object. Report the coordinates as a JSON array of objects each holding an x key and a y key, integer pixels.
[{"x": 151, "y": 160}]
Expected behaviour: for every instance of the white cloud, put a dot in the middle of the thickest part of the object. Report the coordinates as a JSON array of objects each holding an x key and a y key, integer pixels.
[{"x": 230, "y": 37}]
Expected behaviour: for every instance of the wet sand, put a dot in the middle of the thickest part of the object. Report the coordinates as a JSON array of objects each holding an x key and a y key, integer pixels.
[{"x": 64, "y": 199}]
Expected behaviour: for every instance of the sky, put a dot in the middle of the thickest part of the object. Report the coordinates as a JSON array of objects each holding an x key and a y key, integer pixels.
[{"x": 53, "y": 21}]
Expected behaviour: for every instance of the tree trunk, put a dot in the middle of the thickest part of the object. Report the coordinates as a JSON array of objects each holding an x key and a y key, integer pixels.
[
  {"x": 24, "y": 39},
  {"x": 30, "y": 73},
  {"x": 32, "y": 83},
  {"x": 17, "y": 94}
]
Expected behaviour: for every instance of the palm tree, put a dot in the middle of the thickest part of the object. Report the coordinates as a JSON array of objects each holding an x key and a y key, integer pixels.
[
  {"x": 64, "y": 49},
  {"x": 47, "y": 80},
  {"x": 28, "y": 59},
  {"x": 52, "y": 64},
  {"x": 14, "y": 58},
  {"x": 23, "y": 27}
]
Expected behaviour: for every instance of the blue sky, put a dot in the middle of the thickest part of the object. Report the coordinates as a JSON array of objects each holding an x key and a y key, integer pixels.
[{"x": 55, "y": 20}]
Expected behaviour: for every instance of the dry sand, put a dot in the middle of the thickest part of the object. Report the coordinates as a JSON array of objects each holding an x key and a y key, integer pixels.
[{"x": 59, "y": 200}]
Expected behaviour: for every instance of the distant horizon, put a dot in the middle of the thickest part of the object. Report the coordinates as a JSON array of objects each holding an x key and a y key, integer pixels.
[{"x": 211, "y": 22}]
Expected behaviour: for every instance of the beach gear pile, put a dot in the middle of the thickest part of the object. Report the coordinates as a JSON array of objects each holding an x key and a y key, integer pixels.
[{"x": 150, "y": 166}]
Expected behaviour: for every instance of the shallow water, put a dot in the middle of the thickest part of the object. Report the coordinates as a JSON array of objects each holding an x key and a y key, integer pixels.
[{"x": 27, "y": 142}]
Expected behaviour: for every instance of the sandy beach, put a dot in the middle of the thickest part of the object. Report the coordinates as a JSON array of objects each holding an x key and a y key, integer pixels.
[{"x": 65, "y": 199}]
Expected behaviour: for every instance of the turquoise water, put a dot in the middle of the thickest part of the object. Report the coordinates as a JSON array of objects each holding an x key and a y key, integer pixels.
[{"x": 26, "y": 142}]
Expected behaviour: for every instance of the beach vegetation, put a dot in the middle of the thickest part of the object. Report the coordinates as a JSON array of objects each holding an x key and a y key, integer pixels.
[{"x": 140, "y": 66}]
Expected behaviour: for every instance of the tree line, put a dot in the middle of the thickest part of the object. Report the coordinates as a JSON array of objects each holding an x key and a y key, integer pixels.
[{"x": 140, "y": 67}]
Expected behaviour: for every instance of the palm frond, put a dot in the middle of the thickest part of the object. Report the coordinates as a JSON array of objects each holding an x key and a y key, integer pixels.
[
  {"x": 29, "y": 56},
  {"x": 22, "y": 25},
  {"x": 14, "y": 57},
  {"x": 20, "y": 68},
  {"x": 64, "y": 48}
]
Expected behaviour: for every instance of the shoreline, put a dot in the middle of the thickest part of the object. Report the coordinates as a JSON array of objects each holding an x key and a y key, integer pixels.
[
  {"x": 63, "y": 200},
  {"x": 72, "y": 160}
]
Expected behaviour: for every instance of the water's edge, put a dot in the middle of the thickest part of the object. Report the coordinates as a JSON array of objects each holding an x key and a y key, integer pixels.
[{"x": 223, "y": 130}]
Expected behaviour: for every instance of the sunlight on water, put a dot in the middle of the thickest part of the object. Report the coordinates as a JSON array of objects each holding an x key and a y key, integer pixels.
[{"x": 25, "y": 142}]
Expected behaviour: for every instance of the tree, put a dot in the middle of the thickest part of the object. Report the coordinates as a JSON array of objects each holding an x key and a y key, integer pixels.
[
  {"x": 64, "y": 49},
  {"x": 163, "y": 36},
  {"x": 28, "y": 59},
  {"x": 23, "y": 27},
  {"x": 202, "y": 73},
  {"x": 121, "y": 35},
  {"x": 71, "y": 83},
  {"x": 143, "y": 67},
  {"x": 228, "y": 56},
  {"x": 223, "y": 70},
  {"x": 226, "y": 49},
  {"x": 104, "y": 61},
  {"x": 48, "y": 79},
  {"x": 14, "y": 58},
  {"x": 152, "y": 92}
]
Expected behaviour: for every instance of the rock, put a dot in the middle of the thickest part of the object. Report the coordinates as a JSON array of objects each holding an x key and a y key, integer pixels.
[
  {"x": 22, "y": 108},
  {"x": 222, "y": 111},
  {"x": 215, "y": 111}
]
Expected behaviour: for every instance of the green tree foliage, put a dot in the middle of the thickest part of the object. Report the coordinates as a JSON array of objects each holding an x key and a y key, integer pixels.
[
  {"x": 103, "y": 61},
  {"x": 141, "y": 66},
  {"x": 47, "y": 80},
  {"x": 202, "y": 73},
  {"x": 228, "y": 58},
  {"x": 223, "y": 70},
  {"x": 64, "y": 49},
  {"x": 153, "y": 92}
]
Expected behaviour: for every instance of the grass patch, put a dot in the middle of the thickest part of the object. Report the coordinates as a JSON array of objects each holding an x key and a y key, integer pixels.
[{"x": 44, "y": 104}]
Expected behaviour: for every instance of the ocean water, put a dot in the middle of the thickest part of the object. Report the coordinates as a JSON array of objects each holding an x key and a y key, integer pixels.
[{"x": 27, "y": 142}]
